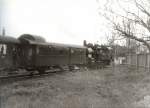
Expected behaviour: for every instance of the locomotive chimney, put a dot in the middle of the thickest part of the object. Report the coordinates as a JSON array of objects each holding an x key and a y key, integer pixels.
[{"x": 84, "y": 43}]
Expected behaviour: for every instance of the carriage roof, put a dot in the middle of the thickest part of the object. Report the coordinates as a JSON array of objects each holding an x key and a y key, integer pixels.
[
  {"x": 8, "y": 40},
  {"x": 37, "y": 40}
]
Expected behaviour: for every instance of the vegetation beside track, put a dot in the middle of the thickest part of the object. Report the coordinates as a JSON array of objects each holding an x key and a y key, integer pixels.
[{"x": 118, "y": 87}]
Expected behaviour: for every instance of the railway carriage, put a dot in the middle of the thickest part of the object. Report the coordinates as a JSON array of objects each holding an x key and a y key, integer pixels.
[
  {"x": 40, "y": 55},
  {"x": 8, "y": 52}
]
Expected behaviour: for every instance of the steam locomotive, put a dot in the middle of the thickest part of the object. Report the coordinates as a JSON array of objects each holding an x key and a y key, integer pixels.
[{"x": 32, "y": 52}]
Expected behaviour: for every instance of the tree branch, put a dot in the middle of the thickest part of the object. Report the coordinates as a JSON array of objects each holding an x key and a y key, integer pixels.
[
  {"x": 142, "y": 8},
  {"x": 131, "y": 36}
]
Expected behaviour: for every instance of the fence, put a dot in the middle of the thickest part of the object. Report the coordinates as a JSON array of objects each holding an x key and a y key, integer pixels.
[{"x": 139, "y": 60}]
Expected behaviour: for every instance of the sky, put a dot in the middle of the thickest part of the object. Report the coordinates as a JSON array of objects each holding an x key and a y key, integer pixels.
[{"x": 63, "y": 21}]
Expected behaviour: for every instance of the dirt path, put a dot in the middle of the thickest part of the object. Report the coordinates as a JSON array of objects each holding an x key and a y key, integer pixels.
[{"x": 119, "y": 87}]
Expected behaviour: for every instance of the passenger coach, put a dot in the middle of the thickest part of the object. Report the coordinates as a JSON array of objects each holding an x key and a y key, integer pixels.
[
  {"x": 38, "y": 54},
  {"x": 8, "y": 52}
]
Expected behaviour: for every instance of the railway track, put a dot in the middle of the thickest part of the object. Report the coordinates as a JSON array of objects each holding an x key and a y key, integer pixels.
[{"x": 29, "y": 74}]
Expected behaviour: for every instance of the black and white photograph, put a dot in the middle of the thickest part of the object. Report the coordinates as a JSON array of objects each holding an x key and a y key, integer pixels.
[{"x": 74, "y": 54}]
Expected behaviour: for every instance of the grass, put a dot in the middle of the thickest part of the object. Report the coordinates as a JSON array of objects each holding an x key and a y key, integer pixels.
[{"x": 118, "y": 87}]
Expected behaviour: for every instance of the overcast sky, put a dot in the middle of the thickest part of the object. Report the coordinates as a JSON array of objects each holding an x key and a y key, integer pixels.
[{"x": 64, "y": 21}]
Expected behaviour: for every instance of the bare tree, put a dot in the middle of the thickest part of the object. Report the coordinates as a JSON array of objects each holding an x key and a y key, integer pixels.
[{"x": 129, "y": 23}]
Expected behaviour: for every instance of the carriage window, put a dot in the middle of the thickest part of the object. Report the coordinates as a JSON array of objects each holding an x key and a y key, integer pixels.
[
  {"x": 76, "y": 51},
  {"x": 72, "y": 51},
  {"x": 63, "y": 51},
  {"x": 3, "y": 49},
  {"x": 52, "y": 50},
  {"x": 45, "y": 50},
  {"x": 30, "y": 52},
  {"x": 37, "y": 50},
  {"x": 42, "y": 50}
]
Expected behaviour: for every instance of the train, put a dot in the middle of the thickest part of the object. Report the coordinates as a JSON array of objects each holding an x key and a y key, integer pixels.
[
  {"x": 98, "y": 56},
  {"x": 32, "y": 52}
]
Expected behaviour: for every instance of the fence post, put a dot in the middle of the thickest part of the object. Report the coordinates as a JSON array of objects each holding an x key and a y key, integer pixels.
[
  {"x": 129, "y": 60},
  {"x": 137, "y": 61},
  {"x": 145, "y": 61},
  {"x": 148, "y": 62}
]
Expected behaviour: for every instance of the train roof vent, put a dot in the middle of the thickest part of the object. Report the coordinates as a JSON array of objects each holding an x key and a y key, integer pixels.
[{"x": 31, "y": 39}]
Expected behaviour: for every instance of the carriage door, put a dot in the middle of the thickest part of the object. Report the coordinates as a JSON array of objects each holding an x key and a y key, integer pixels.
[{"x": 27, "y": 55}]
